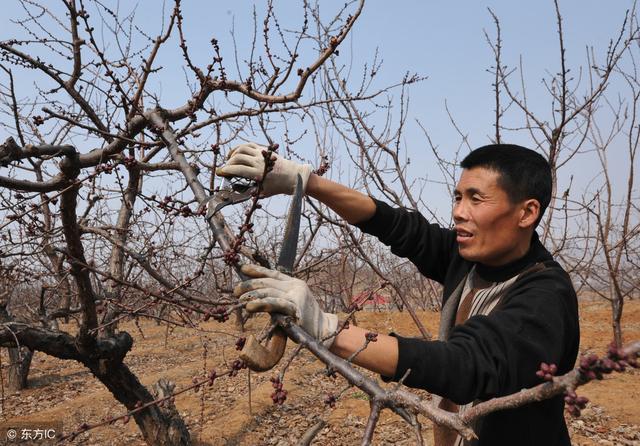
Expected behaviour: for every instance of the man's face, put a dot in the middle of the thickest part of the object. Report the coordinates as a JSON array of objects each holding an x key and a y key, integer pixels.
[{"x": 486, "y": 222}]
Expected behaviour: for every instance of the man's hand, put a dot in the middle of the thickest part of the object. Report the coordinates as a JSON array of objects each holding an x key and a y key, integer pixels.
[
  {"x": 274, "y": 292},
  {"x": 247, "y": 161}
]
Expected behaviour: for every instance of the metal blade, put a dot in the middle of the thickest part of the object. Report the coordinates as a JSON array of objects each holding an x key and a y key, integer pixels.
[{"x": 290, "y": 242}]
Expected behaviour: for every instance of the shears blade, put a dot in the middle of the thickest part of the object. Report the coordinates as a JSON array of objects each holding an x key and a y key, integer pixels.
[{"x": 232, "y": 191}]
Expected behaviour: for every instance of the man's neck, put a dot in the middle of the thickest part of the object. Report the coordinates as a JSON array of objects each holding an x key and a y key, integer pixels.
[{"x": 524, "y": 256}]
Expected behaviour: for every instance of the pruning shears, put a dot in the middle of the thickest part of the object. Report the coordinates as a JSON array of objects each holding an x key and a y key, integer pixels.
[
  {"x": 232, "y": 191},
  {"x": 258, "y": 357}
]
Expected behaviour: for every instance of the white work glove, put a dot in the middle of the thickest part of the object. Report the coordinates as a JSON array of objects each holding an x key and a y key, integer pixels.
[
  {"x": 247, "y": 161},
  {"x": 274, "y": 292}
]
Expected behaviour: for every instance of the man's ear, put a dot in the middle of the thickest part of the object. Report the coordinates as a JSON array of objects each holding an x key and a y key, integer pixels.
[{"x": 530, "y": 211}]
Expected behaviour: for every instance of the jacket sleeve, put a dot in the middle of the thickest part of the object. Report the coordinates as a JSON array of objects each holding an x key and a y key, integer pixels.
[
  {"x": 410, "y": 235},
  {"x": 498, "y": 354}
]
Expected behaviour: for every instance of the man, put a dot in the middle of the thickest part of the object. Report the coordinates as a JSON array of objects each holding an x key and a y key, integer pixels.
[{"x": 507, "y": 305}]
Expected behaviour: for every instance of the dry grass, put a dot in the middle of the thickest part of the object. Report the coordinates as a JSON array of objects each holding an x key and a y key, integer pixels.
[{"x": 64, "y": 390}]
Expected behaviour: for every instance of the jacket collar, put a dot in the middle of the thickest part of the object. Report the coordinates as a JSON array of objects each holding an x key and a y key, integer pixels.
[{"x": 537, "y": 253}]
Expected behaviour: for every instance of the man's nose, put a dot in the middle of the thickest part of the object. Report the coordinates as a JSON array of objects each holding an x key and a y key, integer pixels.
[{"x": 459, "y": 211}]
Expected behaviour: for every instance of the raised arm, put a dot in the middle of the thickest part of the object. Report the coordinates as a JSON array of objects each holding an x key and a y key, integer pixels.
[{"x": 351, "y": 205}]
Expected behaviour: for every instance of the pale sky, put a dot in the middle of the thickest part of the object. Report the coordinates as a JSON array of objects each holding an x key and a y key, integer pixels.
[{"x": 442, "y": 40}]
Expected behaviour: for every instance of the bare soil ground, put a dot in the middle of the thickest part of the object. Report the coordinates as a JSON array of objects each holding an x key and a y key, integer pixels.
[{"x": 223, "y": 415}]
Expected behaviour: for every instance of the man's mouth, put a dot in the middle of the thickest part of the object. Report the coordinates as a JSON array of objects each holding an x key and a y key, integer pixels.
[{"x": 463, "y": 235}]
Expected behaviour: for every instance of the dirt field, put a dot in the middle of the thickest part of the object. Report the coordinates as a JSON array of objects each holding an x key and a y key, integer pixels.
[{"x": 222, "y": 415}]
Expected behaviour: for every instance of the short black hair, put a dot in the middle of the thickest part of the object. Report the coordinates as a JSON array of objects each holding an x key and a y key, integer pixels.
[{"x": 523, "y": 173}]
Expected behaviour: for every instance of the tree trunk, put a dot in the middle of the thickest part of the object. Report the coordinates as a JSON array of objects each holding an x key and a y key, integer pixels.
[
  {"x": 158, "y": 427},
  {"x": 617, "y": 303},
  {"x": 19, "y": 365},
  {"x": 109, "y": 329},
  {"x": 19, "y": 358},
  {"x": 104, "y": 358}
]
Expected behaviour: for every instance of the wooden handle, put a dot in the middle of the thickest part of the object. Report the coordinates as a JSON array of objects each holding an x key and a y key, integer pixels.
[{"x": 261, "y": 358}]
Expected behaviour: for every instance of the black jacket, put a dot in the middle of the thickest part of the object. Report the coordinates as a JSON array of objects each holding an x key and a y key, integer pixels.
[{"x": 495, "y": 355}]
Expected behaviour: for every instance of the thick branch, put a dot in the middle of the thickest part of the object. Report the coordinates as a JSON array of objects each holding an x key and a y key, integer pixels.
[
  {"x": 62, "y": 345},
  {"x": 68, "y": 206},
  {"x": 56, "y": 183},
  {"x": 221, "y": 232},
  {"x": 394, "y": 398},
  {"x": 10, "y": 151}
]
